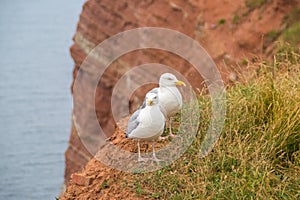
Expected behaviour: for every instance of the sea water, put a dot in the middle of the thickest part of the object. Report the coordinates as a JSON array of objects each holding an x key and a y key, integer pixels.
[{"x": 35, "y": 100}]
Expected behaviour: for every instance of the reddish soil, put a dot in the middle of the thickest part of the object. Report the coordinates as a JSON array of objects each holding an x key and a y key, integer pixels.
[{"x": 98, "y": 181}]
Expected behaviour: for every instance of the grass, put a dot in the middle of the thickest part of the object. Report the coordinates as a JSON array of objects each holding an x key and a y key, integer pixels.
[
  {"x": 235, "y": 19},
  {"x": 104, "y": 184},
  {"x": 271, "y": 36},
  {"x": 252, "y": 4},
  {"x": 288, "y": 34},
  {"x": 244, "y": 62},
  {"x": 257, "y": 155},
  {"x": 221, "y": 21},
  {"x": 291, "y": 17},
  {"x": 292, "y": 34},
  {"x": 287, "y": 54}
]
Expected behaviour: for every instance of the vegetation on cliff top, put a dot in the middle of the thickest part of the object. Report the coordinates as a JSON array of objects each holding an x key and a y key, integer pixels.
[{"x": 257, "y": 156}]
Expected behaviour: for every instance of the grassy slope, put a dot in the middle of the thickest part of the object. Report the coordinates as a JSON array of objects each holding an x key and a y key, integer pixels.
[{"x": 257, "y": 156}]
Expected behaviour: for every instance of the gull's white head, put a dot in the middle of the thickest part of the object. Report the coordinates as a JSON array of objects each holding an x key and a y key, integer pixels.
[
  {"x": 151, "y": 99},
  {"x": 169, "y": 80}
]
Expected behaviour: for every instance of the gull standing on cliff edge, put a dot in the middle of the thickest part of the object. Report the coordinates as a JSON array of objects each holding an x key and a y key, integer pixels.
[
  {"x": 170, "y": 99},
  {"x": 147, "y": 123}
]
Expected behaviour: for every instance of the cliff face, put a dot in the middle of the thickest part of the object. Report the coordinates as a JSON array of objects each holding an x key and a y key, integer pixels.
[{"x": 228, "y": 30}]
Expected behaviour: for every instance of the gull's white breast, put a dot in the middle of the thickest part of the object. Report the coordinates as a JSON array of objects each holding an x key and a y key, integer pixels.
[
  {"x": 151, "y": 123},
  {"x": 170, "y": 100}
]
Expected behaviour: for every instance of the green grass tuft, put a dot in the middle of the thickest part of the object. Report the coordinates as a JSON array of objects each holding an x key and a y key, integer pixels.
[
  {"x": 291, "y": 17},
  {"x": 221, "y": 21},
  {"x": 104, "y": 184},
  {"x": 252, "y": 4},
  {"x": 292, "y": 34},
  {"x": 235, "y": 19},
  {"x": 271, "y": 37}
]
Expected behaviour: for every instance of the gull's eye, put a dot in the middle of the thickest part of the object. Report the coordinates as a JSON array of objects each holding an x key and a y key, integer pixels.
[
  {"x": 155, "y": 97},
  {"x": 169, "y": 79}
]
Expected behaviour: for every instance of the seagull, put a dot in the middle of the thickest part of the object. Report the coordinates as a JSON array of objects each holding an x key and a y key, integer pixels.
[
  {"x": 170, "y": 99},
  {"x": 147, "y": 123}
]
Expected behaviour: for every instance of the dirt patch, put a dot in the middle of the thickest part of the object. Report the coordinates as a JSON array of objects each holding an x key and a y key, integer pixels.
[{"x": 98, "y": 181}]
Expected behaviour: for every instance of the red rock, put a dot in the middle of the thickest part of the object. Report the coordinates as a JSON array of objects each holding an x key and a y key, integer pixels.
[{"x": 81, "y": 180}]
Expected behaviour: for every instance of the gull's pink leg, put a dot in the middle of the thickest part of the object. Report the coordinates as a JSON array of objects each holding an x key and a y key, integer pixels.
[
  {"x": 140, "y": 158},
  {"x": 154, "y": 158},
  {"x": 170, "y": 128}
]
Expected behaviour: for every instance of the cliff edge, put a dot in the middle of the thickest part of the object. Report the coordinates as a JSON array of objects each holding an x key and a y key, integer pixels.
[{"x": 231, "y": 31}]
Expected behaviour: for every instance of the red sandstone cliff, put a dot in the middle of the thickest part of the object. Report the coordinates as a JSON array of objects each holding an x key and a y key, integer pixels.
[{"x": 228, "y": 29}]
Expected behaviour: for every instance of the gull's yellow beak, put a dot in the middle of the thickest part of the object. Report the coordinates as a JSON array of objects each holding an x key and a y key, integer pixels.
[
  {"x": 180, "y": 83},
  {"x": 150, "y": 102}
]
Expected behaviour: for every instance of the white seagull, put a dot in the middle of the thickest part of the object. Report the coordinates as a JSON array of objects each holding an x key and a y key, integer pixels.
[
  {"x": 170, "y": 99},
  {"x": 147, "y": 123}
]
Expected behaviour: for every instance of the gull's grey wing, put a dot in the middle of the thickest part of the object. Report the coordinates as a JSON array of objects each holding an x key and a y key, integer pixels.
[
  {"x": 155, "y": 91},
  {"x": 133, "y": 122}
]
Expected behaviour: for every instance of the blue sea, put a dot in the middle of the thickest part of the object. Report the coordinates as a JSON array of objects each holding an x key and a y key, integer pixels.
[{"x": 35, "y": 101}]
